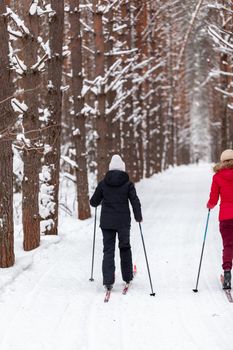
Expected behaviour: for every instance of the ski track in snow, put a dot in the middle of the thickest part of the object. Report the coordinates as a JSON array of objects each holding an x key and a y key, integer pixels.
[{"x": 50, "y": 304}]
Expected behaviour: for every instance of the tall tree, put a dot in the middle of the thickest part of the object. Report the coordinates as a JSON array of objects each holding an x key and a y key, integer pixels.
[
  {"x": 51, "y": 168},
  {"x": 6, "y": 156},
  {"x": 128, "y": 126},
  {"x": 102, "y": 151},
  {"x": 140, "y": 24},
  {"x": 79, "y": 114},
  {"x": 113, "y": 126},
  {"x": 32, "y": 149}
]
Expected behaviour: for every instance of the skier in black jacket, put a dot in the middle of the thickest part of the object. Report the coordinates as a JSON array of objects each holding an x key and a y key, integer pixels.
[{"x": 114, "y": 193}]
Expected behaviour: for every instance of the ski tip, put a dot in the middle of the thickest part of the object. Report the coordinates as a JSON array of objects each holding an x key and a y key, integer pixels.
[
  {"x": 107, "y": 296},
  {"x": 195, "y": 290}
]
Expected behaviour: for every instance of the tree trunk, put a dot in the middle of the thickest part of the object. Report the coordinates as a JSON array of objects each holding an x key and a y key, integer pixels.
[
  {"x": 32, "y": 153},
  {"x": 51, "y": 168},
  {"x": 113, "y": 133},
  {"x": 79, "y": 115},
  {"x": 102, "y": 151},
  {"x": 128, "y": 129},
  {"x": 7, "y": 257},
  {"x": 141, "y": 44}
]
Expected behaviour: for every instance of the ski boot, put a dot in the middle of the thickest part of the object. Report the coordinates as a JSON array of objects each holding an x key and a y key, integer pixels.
[
  {"x": 108, "y": 287},
  {"x": 227, "y": 280}
]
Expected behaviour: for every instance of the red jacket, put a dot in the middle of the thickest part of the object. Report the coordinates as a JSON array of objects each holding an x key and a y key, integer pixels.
[{"x": 222, "y": 185}]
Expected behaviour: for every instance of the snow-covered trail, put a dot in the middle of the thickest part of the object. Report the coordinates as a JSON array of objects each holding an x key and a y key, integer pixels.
[{"x": 48, "y": 302}]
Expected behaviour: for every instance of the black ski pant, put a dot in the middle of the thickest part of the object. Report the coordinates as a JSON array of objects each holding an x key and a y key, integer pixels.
[{"x": 108, "y": 266}]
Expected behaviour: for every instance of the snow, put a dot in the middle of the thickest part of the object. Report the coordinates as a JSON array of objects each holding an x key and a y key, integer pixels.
[
  {"x": 19, "y": 65},
  {"x": 213, "y": 31},
  {"x": 45, "y": 114},
  {"x": 76, "y": 132},
  {"x": 45, "y": 46},
  {"x": 33, "y": 8},
  {"x": 47, "y": 148},
  {"x": 50, "y": 85},
  {"x": 18, "y": 106},
  {"x": 39, "y": 65},
  {"x": 71, "y": 162},
  {"x": 230, "y": 106},
  {"x": 21, "y": 138},
  {"x": 14, "y": 34},
  {"x": 18, "y": 21},
  {"x": 85, "y": 89},
  {"x": 48, "y": 303},
  {"x": 65, "y": 88},
  {"x": 47, "y": 203}
]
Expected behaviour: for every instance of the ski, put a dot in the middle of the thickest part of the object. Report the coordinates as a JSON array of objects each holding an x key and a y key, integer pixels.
[
  {"x": 107, "y": 296},
  {"x": 227, "y": 291},
  {"x": 126, "y": 288},
  {"x": 127, "y": 285}
]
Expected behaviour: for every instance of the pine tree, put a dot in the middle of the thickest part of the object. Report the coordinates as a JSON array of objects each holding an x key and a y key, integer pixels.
[
  {"x": 7, "y": 257},
  {"x": 51, "y": 168},
  {"x": 79, "y": 114},
  {"x": 102, "y": 151},
  {"x": 32, "y": 149}
]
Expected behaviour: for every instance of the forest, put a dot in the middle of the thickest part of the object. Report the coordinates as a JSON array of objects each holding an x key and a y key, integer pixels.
[{"x": 81, "y": 80}]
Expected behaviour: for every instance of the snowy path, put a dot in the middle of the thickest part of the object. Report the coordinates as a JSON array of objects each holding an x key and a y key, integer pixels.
[{"x": 48, "y": 303}]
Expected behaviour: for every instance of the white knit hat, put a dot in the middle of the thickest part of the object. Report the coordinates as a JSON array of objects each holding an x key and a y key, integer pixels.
[
  {"x": 116, "y": 163},
  {"x": 226, "y": 155}
]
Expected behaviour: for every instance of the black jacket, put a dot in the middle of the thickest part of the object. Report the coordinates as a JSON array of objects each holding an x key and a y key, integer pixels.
[{"x": 114, "y": 193}]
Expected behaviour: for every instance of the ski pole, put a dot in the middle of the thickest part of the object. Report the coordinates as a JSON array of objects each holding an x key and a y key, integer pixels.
[
  {"x": 202, "y": 251},
  {"x": 148, "y": 269},
  {"x": 93, "y": 249}
]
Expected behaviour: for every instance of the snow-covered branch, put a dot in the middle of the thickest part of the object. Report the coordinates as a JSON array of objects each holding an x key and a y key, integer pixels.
[
  {"x": 71, "y": 162},
  {"x": 117, "y": 103},
  {"x": 226, "y": 93},
  {"x": 15, "y": 33},
  {"x": 19, "y": 64},
  {"x": 220, "y": 40},
  {"x": 19, "y": 106},
  {"x": 148, "y": 73},
  {"x": 220, "y": 7},
  {"x": 20, "y": 24},
  {"x": 86, "y": 27},
  {"x": 20, "y": 92},
  {"x": 120, "y": 53},
  {"x": 37, "y": 65},
  {"x": 88, "y": 49},
  {"x": 188, "y": 32},
  {"x": 122, "y": 73}
]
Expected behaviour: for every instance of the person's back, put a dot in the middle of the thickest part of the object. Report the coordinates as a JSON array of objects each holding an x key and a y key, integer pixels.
[
  {"x": 115, "y": 204},
  {"x": 222, "y": 186},
  {"x": 114, "y": 193}
]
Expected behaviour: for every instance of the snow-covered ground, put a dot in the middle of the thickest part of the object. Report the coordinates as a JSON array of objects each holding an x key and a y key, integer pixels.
[{"x": 48, "y": 303}]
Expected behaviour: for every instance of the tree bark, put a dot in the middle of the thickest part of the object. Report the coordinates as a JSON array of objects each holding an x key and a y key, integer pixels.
[
  {"x": 79, "y": 115},
  {"x": 54, "y": 99},
  {"x": 141, "y": 45},
  {"x": 113, "y": 133},
  {"x": 102, "y": 151},
  {"x": 128, "y": 128},
  {"x": 31, "y": 153},
  {"x": 7, "y": 256}
]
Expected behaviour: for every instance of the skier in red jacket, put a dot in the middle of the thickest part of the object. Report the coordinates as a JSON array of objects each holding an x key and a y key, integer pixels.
[{"x": 222, "y": 186}]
